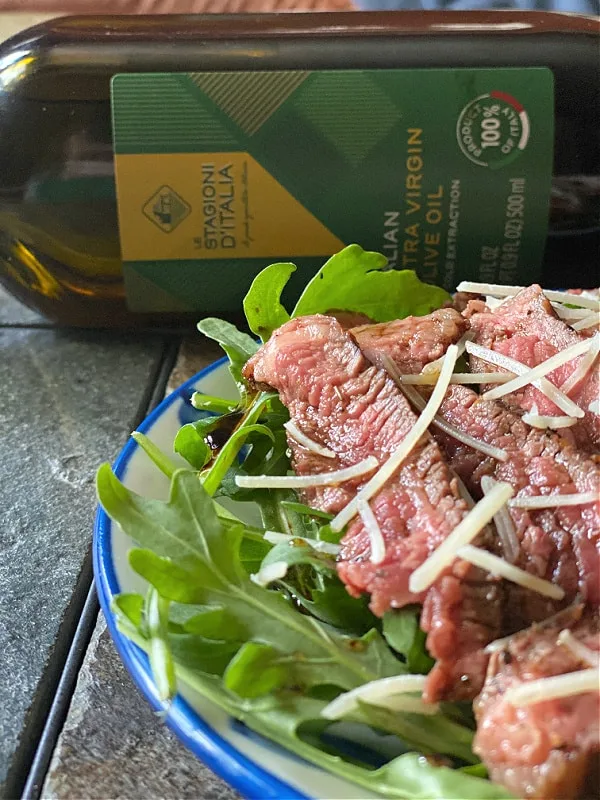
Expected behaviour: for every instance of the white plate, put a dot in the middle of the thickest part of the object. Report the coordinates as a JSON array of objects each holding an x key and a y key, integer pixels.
[{"x": 256, "y": 767}]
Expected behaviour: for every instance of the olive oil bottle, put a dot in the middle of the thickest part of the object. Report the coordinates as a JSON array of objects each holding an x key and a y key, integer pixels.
[{"x": 461, "y": 144}]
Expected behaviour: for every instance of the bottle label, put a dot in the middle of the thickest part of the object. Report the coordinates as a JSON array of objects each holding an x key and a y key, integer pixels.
[{"x": 446, "y": 171}]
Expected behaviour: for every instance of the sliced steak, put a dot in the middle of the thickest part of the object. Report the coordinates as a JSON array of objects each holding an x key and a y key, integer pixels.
[
  {"x": 561, "y": 545},
  {"x": 412, "y": 342},
  {"x": 527, "y": 329},
  {"x": 338, "y": 400},
  {"x": 548, "y": 750}
]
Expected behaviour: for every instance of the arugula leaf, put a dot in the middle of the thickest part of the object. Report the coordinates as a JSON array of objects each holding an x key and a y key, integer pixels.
[
  {"x": 130, "y": 606},
  {"x": 282, "y": 718},
  {"x": 238, "y": 346},
  {"x": 257, "y": 669},
  {"x": 189, "y": 442},
  {"x": 301, "y": 508},
  {"x": 160, "y": 653},
  {"x": 429, "y": 734},
  {"x": 208, "y": 402},
  {"x": 331, "y": 603},
  {"x": 186, "y": 533},
  {"x": 297, "y": 552},
  {"x": 229, "y": 452},
  {"x": 262, "y": 303},
  {"x": 402, "y": 632},
  {"x": 155, "y": 454},
  {"x": 358, "y": 280}
]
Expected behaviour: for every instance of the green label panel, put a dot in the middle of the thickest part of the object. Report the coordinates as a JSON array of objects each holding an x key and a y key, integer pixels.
[{"x": 218, "y": 174}]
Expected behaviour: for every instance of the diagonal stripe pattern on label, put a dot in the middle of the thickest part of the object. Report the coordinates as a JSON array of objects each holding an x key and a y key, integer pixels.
[{"x": 250, "y": 98}]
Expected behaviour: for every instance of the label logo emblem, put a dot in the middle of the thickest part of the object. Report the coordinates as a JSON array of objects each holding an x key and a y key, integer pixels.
[
  {"x": 166, "y": 209},
  {"x": 493, "y": 130}
]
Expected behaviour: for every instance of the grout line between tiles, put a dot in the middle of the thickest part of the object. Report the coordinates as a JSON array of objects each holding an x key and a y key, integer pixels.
[{"x": 44, "y": 726}]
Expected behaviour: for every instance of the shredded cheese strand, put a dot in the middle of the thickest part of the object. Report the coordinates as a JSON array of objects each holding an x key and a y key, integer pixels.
[
  {"x": 555, "y": 500},
  {"x": 302, "y": 438},
  {"x": 439, "y": 422},
  {"x": 497, "y": 644},
  {"x": 307, "y": 481},
  {"x": 579, "y": 649},
  {"x": 549, "y": 365},
  {"x": 498, "y": 290},
  {"x": 429, "y": 378},
  {"x": 543, "y": 421},
  {"x": 383, "y": 692},
  {"x": 464, "y": 533},
  {"x": 274, "y": 537},
  {"x": 543, "y": 384},
  {"x": 272, "y": 572},
  {"x": 372, "y": 527},
  {"x": 570, "y": 314},
  {"x": 498, "y": 566},
  {"x": 405, "y": 447},
  {"x": 558, "y": 686},
  {"x": 586, "y": 322},
  {"x": 583, "y": 367},
  {"x": 504, "y": 524}
]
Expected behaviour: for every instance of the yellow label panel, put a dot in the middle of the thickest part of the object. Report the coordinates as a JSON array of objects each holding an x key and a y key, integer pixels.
[{"x": 211, "y": 206}]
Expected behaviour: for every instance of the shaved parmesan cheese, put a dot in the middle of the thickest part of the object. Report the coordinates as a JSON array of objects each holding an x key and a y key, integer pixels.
[
  {"x": 504, "y": 524},
  {"x": 376, "y": 483},
  {"x": 554, "y": 500},
  {"x": 586, "y": 322},
  {"x": 493, "y": 302},
  {"x": 307, "y": 481},
  {"x": 302, "y": 438},
  {"x": 543, "y": 421},
  {"x": 317, "y": 544},
  {"x": 439, "y": 422},
  {"x": 498, "y": 290},
  {"x": 272, "y": 572},
  {"x": 583, "y": 367},
  {"x": 498, "y": 566},
  {"x": 585, "y": 680},
  {"x": 434, "y": 367},
  {"x": 594, "y": 407},
  {"x": 572, "y": 643},
  {"x": 549, "y": 365},
  {"x": 372, "y": 527},
  {"x": 543, "y": 384},
  {"x": 429, "y": 378},
  {"x": 570, "y": 314},
  {"x": 497, "y": 644},
  {"x": 384, "y": 692},
  {"x": 464, "y": 533}
]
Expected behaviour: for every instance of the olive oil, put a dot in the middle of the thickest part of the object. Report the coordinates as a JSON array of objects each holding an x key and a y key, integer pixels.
[{"x": 60, "y": 248}]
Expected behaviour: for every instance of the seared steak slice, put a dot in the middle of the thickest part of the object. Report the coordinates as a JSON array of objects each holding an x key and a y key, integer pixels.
[
  {"x": 527, "y": 329},
  {"x": 338, "y": 400},
  {"x": 412, "y": 342},
  {"x": 549, "y": 749},
  {"x": 356, "y": 410},
  {"x": 561, "y": 545}
]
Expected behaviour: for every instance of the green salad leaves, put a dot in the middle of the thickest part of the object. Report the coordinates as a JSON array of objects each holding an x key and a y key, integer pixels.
[
  {"x": 274, "y": 651},
  {"x": 352, "y": 280}
]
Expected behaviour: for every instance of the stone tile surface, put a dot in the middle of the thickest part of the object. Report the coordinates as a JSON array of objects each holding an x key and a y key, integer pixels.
[
  {"x": 13, "y": 312},
  {"x": 69, "y": 399},
  {"x": 113, "y": 745}
]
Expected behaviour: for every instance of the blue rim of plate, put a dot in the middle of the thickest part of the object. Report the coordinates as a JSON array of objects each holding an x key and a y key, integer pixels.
[{"x": 247, "y": 777}]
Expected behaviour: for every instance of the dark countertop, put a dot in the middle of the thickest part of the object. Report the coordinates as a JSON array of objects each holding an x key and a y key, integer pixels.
[{"x": 70, "y": 398}]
